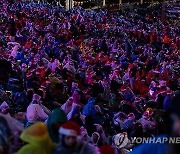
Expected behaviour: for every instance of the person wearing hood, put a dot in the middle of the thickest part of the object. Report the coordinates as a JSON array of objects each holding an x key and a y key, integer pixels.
[
  {"x": 77, "y": 97},
  {"x": 66, "y": 107},
  {"x": 54, "y": 121},
  {"x": 38, "y": 140},
  {"x": 14, "y": 125},
  {"x": 90, "y": 109},
  {"x": 74, "y": 86},
  {"x": 147, "y": 124},
  {"x": 95, "y": 139},
  {"x": 74, "y": 110},
  {"x": 84, "y": 134},
  {"x": 4, "y": 108},
  {"x": 119, "y": 119},
  {"x": 35, "y": 112}
]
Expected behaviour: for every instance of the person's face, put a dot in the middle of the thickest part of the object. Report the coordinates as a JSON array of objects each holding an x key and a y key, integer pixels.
[
  {"x": 70, "y": 101},
  {"x": 85, "y": 138},
  {"x": 70, "y": 141},
  {"x": 95, "y": 138},
  {"x": 176, "y": 125}
]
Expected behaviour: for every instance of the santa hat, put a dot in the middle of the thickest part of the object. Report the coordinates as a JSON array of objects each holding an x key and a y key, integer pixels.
[
  {"x": 47, "y": 82},
  {"x": 137, "y": 99},
  {"x": 43, "y": 85},
  {"x": 145, "y": 115},
  {"x": 38, "y": 71},
  {"x": 131, "y": 116},
  {"x": 4, "y": 105},
  {"x": 123, "y": 89},
  {"x": 36, "y": 97},
  {"x": 169, "y": 92},
  {"x": 32, "y": 70},
  {"x": 162, "y": 92},
  {"x": 28, "y": 74},
  {"x": 70, "y": 129},
  {"x": 143, "y": 80}
]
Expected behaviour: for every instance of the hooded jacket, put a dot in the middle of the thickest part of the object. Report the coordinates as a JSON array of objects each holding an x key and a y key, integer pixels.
[
  {"x": 38, "y": 139},
  {"x": 89, "y": 109},
  {"x": 56, "y": 117}
]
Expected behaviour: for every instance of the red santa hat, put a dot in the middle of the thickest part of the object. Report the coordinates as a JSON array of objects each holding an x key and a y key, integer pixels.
[
  {"x": 123, "y": 89},
  {"x": 32, "y": 70},
  {"x": 137, "y": 100},
  {"x": 162, "y": 92},
  {"x": 28, "y": 74},
  {"x": 43, "y": 85},
  {"x": 131, "y": 116},
  {"x": 47, "y": 82},
  {"x": 38, "y": 71},
  {"x": 70, "y": 129},
  {"x": 169, "y": 92}
]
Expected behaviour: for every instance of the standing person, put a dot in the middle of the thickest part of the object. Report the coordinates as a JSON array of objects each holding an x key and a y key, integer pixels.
[{"x": 70, "y": 141}]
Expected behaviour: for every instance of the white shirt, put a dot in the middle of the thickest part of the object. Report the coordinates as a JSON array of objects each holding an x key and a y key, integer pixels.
[{"x": 35, "y": 112}]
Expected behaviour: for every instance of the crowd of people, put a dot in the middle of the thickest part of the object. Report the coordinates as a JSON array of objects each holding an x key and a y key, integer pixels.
[{"x": 78, "y": 81}]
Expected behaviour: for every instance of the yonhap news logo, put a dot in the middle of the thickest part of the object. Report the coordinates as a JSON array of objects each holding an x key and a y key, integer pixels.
[
  {"x": 121, "y": 140},
  {"x": 155, "y": 140}
]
